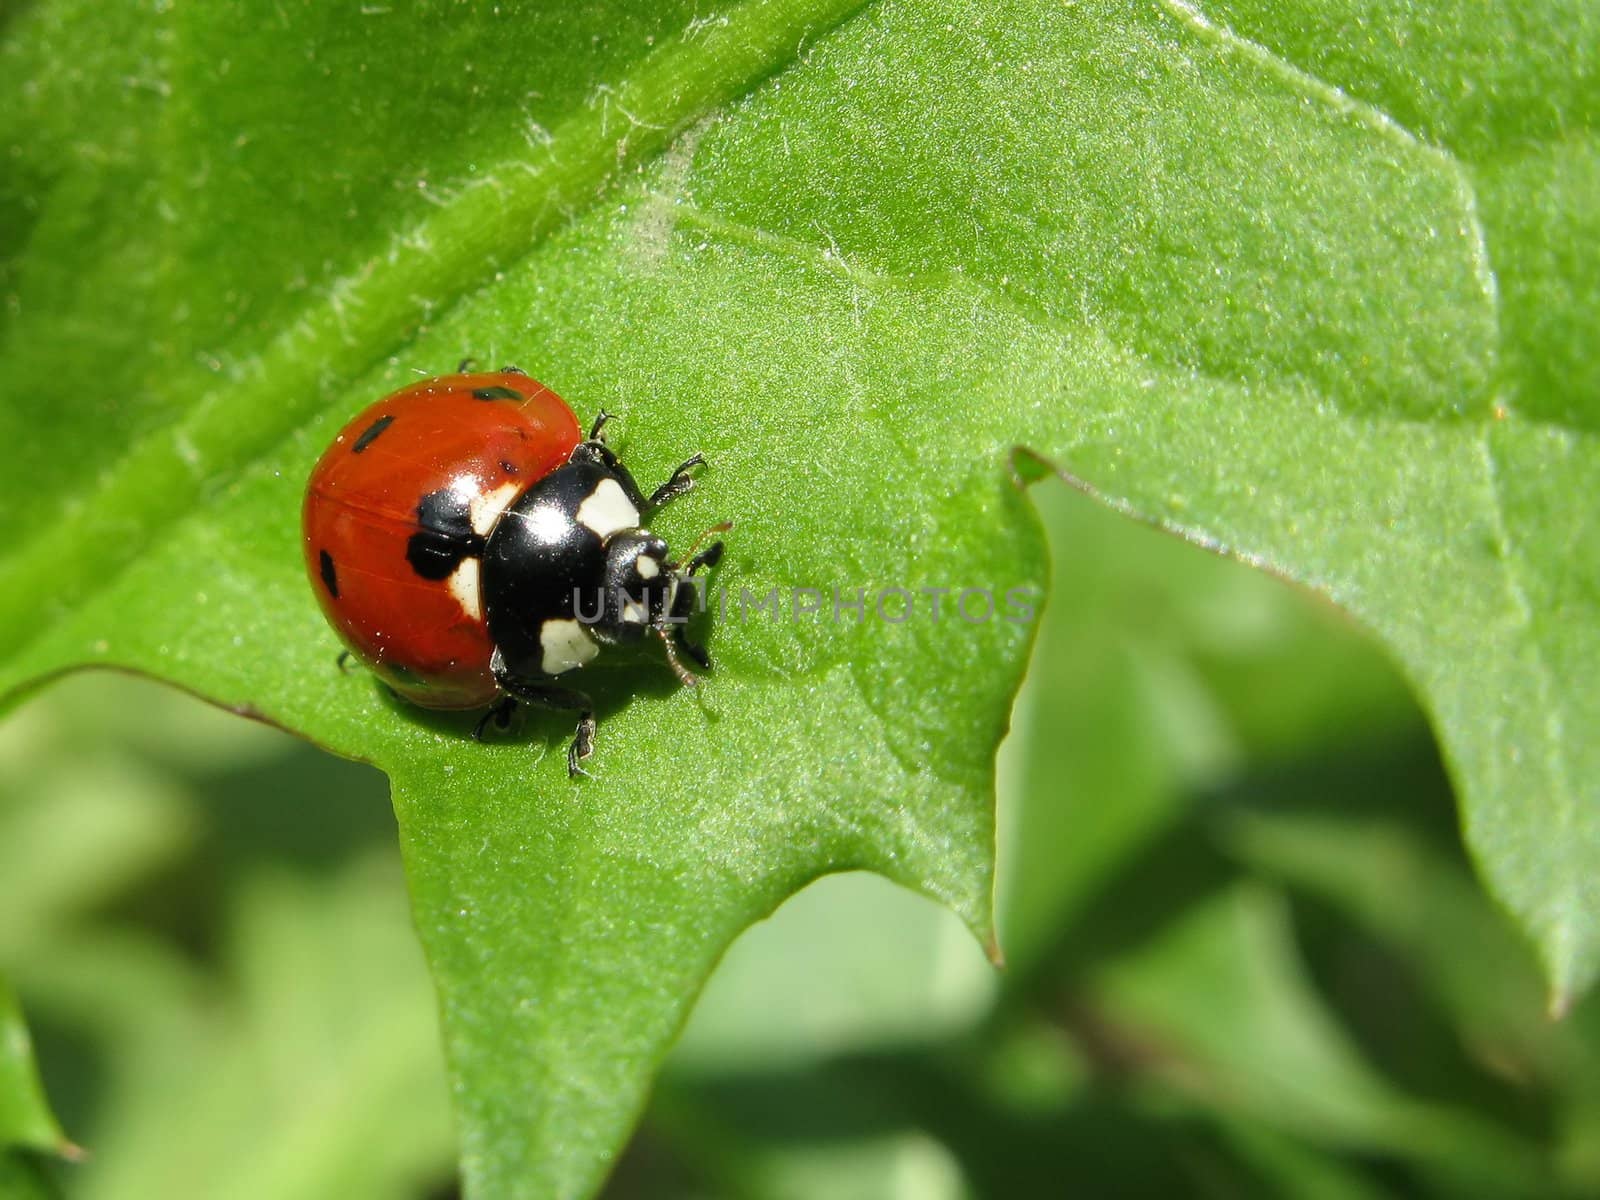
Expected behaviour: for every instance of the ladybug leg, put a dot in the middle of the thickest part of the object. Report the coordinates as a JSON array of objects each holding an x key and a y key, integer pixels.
[
  {"x": 601, "y": 455},
  {"x": 596, "y": 451},
  {"x": 465, "y": 365},
  {"x": 688, "y": 599},
  {"x": 512, "y": 369},
  {"x": 505, "y": 712},
  {"x": 582, "y": 745},
  {"x": 548, "y": 695},
  {"x": 565, "y": 700},
  {"x": 630, "y": 485},
  {"x": 709, "y": 557},
  {"x": 683, "y": 606},
  {"x": 343, "y": 662},
  {"x": 678, "y": 483},
  {"x": 694, "y": 650},
  {"x": 500, "y": 716}
]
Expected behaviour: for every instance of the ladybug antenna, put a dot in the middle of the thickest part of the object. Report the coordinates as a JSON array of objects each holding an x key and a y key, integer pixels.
[
  {"x": 685, "y": 676},
  {"x": 711, "y": 554}
]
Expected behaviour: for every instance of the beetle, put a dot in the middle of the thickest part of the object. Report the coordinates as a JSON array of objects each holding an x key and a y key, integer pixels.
[{"x": 475, "y": 549}]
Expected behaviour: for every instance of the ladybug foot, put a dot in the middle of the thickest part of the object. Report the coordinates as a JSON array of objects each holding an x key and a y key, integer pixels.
[
  {"x": 711, "y": 555},
  {"x": 679, "y": 482},
  {"x": 582, "y": 745},
  {"x": 549, "y": 695}
]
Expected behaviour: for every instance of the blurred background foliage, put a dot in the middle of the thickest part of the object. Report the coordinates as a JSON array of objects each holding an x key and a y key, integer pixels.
[{"x": 1246, "y": 955}]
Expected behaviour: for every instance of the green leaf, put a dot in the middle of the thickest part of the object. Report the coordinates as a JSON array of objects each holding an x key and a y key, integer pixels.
[
  {"x": 854, "y": 253},
  {"x": 22, "y": 1178},
  {"x": 25, "y": 1118},
  {"x": 323, "y": 1076},
  {"x": 1504, "y": 651},
  {"x": 75, "y": 829},
  {"x": 318, "y": 1028},
  {"x": 1196, "y": 667},
  {"x": 1255, "y": 1042},
  {"x": 854, "y": 964}
]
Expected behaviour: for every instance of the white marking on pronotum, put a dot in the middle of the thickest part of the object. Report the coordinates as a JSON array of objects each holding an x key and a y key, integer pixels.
[
  {"x": 606, "y": 510},
  {"x": 566, "y": 645},
  {"x": 463, "y": 584},
  {"x": 647, "y": 567},
  {"x": 486, "y": 507},
  {"x": 633, "y": 612}
]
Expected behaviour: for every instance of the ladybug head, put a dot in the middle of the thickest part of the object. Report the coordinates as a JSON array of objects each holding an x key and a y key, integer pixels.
[
  {"x": 639, "y": 583},
  {"x": 647, "y": 592}
]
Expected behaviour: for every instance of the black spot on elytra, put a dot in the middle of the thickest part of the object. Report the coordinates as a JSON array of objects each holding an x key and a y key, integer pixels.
[
  {"x": 330, "y": 577},
  {"x": 496, "y": 393},
  {"x": 446, "y": 535},
  {"x": 370, "y": 434},
  {"x": 509, "y": 467}
]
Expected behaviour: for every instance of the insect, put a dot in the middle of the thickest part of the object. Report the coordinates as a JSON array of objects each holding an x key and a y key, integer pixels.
[{"x": 474, "y": 549}]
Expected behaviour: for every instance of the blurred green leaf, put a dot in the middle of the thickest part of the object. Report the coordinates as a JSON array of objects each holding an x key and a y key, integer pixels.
[
  {"x": 304, "y": 1062},
  {"x": 1220, "y": 1009},
  {"x": 1301, "y": 1171},
  {"x": 908, "y": 1167},
  {"x": 1159, "y": 674},
  {"x": 22, "y": 1178},
  {"x": 737, "y": 1152},
  {"x": 25, "y": 1118},
  {"x": 850, "y": 963},
  {"x": 1383, "y": 876},
  {"x": 312, "y": 1071},
  {"x": 854, "y": 253},
  {"x": 74, "y": 831}
]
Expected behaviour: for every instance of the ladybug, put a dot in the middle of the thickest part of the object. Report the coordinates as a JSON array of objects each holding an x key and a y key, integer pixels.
[{"x": 474, "y": 549}]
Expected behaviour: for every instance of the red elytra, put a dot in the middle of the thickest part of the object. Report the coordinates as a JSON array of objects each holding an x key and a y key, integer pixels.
[{"x": 475, "y": 440}]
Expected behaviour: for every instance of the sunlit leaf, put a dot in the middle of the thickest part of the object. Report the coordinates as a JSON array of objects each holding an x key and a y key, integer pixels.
[{"x": 854, "y": 253}]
